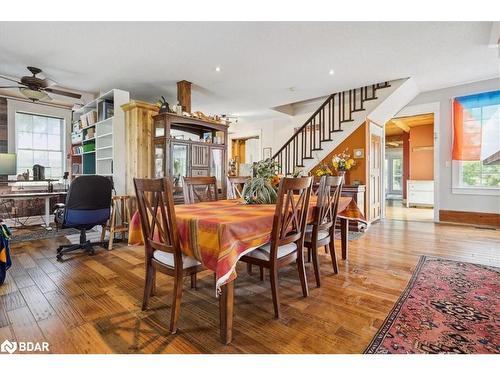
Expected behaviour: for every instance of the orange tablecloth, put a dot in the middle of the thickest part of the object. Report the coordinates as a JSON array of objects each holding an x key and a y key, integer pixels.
[{"x": 219, "y": 233}]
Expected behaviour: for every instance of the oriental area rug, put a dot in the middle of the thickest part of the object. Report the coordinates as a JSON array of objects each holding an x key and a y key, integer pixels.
[{"x": 447, "y": 307}]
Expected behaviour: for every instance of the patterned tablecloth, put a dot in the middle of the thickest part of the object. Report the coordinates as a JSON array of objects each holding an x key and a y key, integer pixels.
[{"x": 219, "y": 233}]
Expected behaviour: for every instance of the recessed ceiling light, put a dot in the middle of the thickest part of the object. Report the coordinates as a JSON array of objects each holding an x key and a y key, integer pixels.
[
  {"x": 331, "y": 72},
  {"x": 217, "y": 68}
]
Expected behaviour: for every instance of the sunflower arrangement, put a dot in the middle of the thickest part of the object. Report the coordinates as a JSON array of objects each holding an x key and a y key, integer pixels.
[
  {"x": 263, "y": 187},
  {"x": 341, "y": 162}
]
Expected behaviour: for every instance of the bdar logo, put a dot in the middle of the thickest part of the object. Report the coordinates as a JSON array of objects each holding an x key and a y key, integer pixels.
[{"x": 9, "y": 347}]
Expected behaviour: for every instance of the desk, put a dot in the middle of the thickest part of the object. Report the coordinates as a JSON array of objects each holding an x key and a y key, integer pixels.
[{"x": 36, "y": 195}]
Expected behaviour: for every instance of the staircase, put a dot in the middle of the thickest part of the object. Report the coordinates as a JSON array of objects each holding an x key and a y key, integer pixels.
[{"x": 339, "y": 115}]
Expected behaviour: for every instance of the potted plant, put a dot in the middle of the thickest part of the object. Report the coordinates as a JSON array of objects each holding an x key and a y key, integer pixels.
[{"x": 263, "y": 186}]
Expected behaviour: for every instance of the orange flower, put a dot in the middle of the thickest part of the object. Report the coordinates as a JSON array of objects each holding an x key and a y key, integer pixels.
[{"x": 275, "y": 181}]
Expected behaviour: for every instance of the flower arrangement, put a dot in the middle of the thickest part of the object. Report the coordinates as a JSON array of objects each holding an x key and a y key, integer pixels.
[
  {"x": 263, "y": 187},
  {"x": 340, "y": 163}
]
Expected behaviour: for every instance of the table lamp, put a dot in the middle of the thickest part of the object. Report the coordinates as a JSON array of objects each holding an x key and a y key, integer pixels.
[{"x": 8, "y": 164}]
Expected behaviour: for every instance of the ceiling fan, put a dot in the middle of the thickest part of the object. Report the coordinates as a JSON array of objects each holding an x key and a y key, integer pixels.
[{"x": 35, "y": 88}]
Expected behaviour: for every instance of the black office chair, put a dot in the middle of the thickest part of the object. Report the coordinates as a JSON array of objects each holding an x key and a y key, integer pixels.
[{"x": 88, "y": 204}]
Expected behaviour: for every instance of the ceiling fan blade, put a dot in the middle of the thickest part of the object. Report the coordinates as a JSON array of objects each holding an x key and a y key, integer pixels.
[
  {"x": 47, "y": 82},
  {"x": 64, "y": 93},
  {"x": 11, "y": 87},
  {"x": 10, "y": 79}
]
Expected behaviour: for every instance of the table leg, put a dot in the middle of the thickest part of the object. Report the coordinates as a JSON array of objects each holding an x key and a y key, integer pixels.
[
  {"x": 47, "y": 213},
  {"x": 226, "y": 305},
  {"x": 344, "y": 235}
]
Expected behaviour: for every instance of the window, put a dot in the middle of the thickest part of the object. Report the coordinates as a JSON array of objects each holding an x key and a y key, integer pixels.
[
  {"x": 476, "y": 141},
  {"x": 39, "y": 141}
]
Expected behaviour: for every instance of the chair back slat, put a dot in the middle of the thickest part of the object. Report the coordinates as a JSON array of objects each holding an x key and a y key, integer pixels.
[
  {"x": 156, "y": 209},
  {"x": 291, "y": 212},
  {"x": 199, "y": 189},
  {"x": 328, "y": 194},
  {"x": 235, "y": 186}
]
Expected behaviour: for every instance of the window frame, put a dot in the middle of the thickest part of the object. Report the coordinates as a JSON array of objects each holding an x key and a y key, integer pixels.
[{"x": 62, "y": 137}]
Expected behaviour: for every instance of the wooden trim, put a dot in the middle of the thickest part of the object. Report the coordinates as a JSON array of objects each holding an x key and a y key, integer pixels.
[
  {"x": 140, "y": 104},
  {"x": 474, "y": 218}
]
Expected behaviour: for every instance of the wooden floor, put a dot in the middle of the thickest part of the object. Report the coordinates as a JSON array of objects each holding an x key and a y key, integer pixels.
[
  {"x": 396, "y": 210},
  {"x": 92, "y": 304}
]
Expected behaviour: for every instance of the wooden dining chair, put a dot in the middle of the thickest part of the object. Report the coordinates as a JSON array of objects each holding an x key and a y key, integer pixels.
[
  {"x": 199, "y": 189},
  {"x": 321, "y": 232},
  {"x": 161, "y": 242},
  {"x": 235, "y": 186},
  {"x": 287, "y": 236}
]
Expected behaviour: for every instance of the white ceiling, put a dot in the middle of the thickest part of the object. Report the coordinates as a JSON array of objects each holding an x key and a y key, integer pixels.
[{"x": 259, "y": 61}]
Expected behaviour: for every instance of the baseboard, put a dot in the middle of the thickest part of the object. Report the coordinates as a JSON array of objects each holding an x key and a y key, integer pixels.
[{"x": 481, "y": 219}]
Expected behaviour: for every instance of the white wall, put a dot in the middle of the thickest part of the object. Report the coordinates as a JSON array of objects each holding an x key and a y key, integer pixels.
[{"x": 441, "y": 100}]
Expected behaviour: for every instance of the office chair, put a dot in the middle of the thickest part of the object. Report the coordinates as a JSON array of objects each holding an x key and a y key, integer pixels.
[{"x": 88, "y": 204}]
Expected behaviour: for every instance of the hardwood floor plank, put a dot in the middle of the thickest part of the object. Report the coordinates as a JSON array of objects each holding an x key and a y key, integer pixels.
[
  {"x": 36, "y": 302},
  {"x": 12, "y": 301}
]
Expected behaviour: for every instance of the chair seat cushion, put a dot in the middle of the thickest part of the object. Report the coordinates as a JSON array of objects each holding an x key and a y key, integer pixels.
[
  {"x": 264, "y": 251},
  {"x": 321, "y": 234},
  {"x": 168, "y": 259}
]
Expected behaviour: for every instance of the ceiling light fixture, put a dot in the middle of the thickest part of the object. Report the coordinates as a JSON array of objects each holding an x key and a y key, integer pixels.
[
  {"x": 217, "y": 69},
  {"x": 33, "y": 95},
  {"x": 331, "y": 72}
]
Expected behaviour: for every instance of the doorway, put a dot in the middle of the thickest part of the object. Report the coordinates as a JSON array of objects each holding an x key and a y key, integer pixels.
[
  {"x": 244, "y": 152},
  {"x": 409, "y": 168}
]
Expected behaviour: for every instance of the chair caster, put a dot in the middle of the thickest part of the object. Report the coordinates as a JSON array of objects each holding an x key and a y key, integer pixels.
[
  {"x": 59, "y": 249},
  {"x": 59, "y": 257}
]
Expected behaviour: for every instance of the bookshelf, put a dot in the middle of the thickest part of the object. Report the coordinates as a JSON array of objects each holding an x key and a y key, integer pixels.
[{"x": 98, "y": 138}]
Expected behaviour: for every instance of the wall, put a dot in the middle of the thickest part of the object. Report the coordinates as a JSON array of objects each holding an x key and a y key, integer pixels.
[
  {"x": 441, "y": 100},
  {"x": 421, "y": 161},
  {"x": 356, "y": 140}
]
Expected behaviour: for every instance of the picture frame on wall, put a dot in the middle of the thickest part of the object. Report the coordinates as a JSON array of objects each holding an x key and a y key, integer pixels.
[{"x": 267, "y": 152}]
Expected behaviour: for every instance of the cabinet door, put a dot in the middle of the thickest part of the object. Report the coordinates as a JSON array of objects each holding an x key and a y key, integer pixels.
[
  {"x": 180, "y": 162},
  {"x": 199, "y": 156},
  {"x": 217, "y": 164},
  {"x": 159, "y": 128},
  {"x": 159, "y": 159}
]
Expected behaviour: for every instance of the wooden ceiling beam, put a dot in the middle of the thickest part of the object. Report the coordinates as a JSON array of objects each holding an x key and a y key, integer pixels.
[{"x": 401, "y": 124}]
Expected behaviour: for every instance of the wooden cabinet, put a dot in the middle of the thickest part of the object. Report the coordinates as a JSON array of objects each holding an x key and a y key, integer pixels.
[
  {"x": 180, "y": 149},
  {"x": 420, "y": 193}
]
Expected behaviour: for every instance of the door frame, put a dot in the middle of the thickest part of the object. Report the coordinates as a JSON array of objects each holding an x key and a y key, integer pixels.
[
  {"x": 422, "y": 109},
  {"x": 375, "y": 129}
]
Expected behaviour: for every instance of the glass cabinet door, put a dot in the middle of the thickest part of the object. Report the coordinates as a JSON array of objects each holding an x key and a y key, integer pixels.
[
  {"x": 179, "y": 165},
  {"x": 216, "y": 160},
  {"x": 159, "y": 128},
  {"x": 159, "y": 165}
]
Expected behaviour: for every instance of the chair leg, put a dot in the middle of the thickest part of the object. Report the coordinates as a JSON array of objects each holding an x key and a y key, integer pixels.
[
  {"x": 316, "y": 266},
  {"x": 261, "y": 273},
  {"x": 302, "y": 274},
  {"x": 153, "y": 286},
  {"x": 148, "y": 286},
  {"x": 249, "y": 268},
  {"x": 112, "y": 226},
  {"x": 331, "y": 246},
  {"x": 103, "y": 233},
  {"x": 274, "y": 290},
  {"x": 308, "y": 255},
  {"x": 326, "y": 249},
  {"x": 176, "y": 303},
  {"x": 193, "y": 281}
]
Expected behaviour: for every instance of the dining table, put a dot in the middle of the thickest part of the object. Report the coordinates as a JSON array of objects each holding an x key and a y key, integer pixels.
[{"x": 219, "y": 233}]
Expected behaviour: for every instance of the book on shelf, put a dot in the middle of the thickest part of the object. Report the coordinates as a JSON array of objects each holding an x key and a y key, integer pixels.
[
  {"x": 76, "y": 168},
  {"x": 105, "y": 109}
]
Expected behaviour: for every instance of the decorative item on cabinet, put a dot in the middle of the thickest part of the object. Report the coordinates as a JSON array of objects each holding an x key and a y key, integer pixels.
[{"x": 357, "y": 192}]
